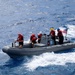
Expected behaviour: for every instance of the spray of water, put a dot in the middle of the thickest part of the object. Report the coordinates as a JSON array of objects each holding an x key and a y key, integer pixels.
[{"x": 47, "y": 59}]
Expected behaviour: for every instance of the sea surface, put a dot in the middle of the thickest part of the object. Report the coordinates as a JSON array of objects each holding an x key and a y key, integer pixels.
[{"x": 35, "y": 16}]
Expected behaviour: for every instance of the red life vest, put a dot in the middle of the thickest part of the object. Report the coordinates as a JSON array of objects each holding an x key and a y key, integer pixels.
[
  {"x": 60, "y": 33},
  {"x": 52, "y": 33},
  {"x": 34, "y": 39},
  {"x": 39, "y": 35},
  {"x": 20, "y": 38},
  {"x": 33, "y": 35}
]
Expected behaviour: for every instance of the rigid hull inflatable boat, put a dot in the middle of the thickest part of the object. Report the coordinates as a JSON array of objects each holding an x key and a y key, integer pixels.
[{"x": 38, "y": 48}]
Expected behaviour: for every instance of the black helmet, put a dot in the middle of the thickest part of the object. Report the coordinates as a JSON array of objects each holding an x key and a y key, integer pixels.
[{"x": 58, "y": 29}]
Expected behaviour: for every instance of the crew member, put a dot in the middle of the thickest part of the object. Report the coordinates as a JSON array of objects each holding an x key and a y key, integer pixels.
[
  {"x": 39, "y": 37},
  {"x": 33, "y": 38},
  {"x": 60, "y": 36},
  {"x": 52, "y": 33},
  {"x": 20, "y": 39}
]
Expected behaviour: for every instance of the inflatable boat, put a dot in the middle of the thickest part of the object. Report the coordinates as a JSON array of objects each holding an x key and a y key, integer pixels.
[{"x": 38, "y": 48}]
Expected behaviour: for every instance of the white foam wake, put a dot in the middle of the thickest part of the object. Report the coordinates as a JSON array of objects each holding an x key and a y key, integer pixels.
[
  {"x": 47, "y": 59},
  {"x": 71, "y": 31}
]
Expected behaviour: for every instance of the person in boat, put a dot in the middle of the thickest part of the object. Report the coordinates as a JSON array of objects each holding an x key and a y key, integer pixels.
[
  {"x": 39, "y": 37},
  {"x": 20, "y": 39},
  {"x": 52, "y": 34},
  {"x": 33, "y": 38},
  {"x": 60, "y": 36}
]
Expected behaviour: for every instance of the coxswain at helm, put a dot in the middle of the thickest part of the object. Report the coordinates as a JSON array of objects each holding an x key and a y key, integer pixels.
[{"x": 52, "y": 33}]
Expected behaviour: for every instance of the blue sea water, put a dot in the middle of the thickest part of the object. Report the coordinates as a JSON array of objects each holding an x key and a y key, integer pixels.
[{"x": 34, "y": 16}]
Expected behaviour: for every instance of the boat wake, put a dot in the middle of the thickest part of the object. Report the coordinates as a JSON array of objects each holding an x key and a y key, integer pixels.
[
  {"x": 47, "y": 59},
  {"x": 71, "y": 31}
]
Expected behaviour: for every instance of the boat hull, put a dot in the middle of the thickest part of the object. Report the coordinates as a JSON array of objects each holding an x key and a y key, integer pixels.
[{"x": 16, "y": 51}]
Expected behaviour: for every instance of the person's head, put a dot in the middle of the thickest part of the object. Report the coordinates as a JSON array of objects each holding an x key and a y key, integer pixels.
[
  {"x": 33, "y": 35},
  {"x": 58, "y": 29},
  {"x": 52, "y": 28},
  {"x": 19, "y": 35},
  {"x": 40, "y": 35}
]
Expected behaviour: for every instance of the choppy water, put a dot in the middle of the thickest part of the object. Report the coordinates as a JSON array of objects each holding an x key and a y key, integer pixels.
[{"x": 31, "y": 16}]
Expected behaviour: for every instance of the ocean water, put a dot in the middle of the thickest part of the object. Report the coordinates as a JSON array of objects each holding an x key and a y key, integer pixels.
[{"x": 31, "y": 16}]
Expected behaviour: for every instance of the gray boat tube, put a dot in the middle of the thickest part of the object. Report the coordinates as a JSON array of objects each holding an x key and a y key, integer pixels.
[
  {"x": 39, "y": 48},
  {"x": 16, "y": 51}
]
